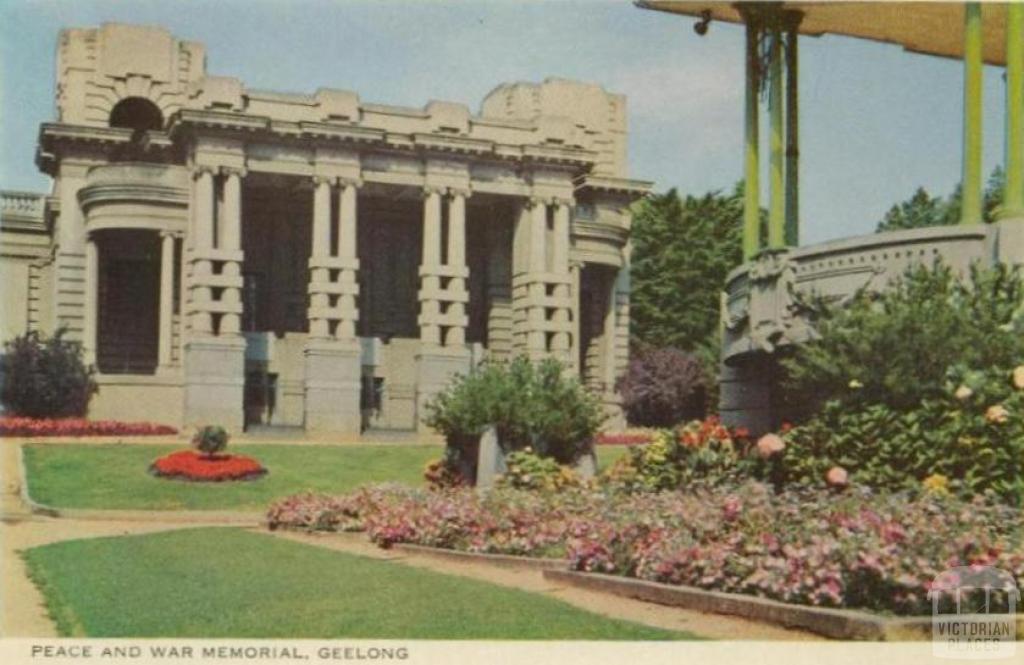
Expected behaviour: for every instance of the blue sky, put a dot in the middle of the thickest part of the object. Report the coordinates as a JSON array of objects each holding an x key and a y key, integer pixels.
[{"x": 876, "y": 122}]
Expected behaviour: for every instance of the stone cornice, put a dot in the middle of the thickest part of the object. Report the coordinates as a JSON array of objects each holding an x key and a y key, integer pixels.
[
  {"x": 58, "y": 138},
  {"x": 599, "y": 230},
  {"x": 635, "y": 189}
]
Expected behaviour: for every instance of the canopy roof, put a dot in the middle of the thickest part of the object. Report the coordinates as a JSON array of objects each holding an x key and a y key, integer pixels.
[{"x": 935, "y": 28}]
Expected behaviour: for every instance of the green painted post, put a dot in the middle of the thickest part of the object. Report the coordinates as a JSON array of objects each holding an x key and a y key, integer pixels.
[
  {"x": 792, "y": 140},
  {"x": 752, "y": 187},
  {"x": 1013, "y": 196},
  {"x": 777, "y": 208},
  {"x": 971, "y": 210}
]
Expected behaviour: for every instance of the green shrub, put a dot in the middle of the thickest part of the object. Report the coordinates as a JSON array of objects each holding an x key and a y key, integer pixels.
[
  {"x": 529, "y": 471},
  {"x": 969, "y": 439},
  {"x": 45, "y": 377},
  {"x": 895, "y": 348},
  {"x": 530, "y": 405},
  {"x": 663, "y": 387},
  {"x": 210, "y": 439}
]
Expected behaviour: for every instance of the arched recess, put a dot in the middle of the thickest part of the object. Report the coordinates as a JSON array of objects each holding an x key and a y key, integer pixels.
[{"x": 137, "y": 113}]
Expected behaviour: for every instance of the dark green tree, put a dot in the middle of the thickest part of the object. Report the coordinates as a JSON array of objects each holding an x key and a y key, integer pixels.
[
  {"x": 922, "y": 209},
  {"x": 683, "y": 248}
]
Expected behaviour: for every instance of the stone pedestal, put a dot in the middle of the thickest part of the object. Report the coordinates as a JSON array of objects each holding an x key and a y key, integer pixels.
[
  {"x": 490, "y": 459},
  {"x": 333, "y": 372},
  {"x": 214, "y": 383},
  {"x": 435, "y": 369}
]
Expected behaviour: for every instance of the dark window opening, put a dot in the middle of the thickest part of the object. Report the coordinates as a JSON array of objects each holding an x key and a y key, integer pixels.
[{"x": 137, "y": 113}]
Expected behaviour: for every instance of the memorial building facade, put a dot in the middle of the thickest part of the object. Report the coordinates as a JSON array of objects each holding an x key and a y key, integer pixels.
[{"x": 244, "y": 257}]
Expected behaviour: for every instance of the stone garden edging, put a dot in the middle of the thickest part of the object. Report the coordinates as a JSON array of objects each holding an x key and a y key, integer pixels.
[
  {"x": 503, "y": 560},
  {"x": 830, "y": 622}
]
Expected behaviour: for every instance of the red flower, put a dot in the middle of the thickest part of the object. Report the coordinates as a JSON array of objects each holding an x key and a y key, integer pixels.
[
  {"x": 28, "y": 427},
  {"x": 190, "y": 465}
]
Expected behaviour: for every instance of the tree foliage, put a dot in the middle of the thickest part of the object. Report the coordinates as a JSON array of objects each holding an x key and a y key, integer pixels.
[
  {"x": 683, "y": 249},
  {"x": 923, "y": 210},
  {"x": 45, "y": 377}
]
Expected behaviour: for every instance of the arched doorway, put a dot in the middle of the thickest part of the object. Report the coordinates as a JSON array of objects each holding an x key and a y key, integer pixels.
[{"x": 137, "y": 113}]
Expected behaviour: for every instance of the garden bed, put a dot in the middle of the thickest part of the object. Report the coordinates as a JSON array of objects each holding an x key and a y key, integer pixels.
[
  {"x": 192, "y": 466},
  {"x": 845, "y": 550},
  {"x": 74, "y": 427}
]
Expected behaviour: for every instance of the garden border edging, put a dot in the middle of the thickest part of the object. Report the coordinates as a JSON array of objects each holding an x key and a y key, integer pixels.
[
  {"x": 830, "y": 622},
  {"x": 505, "y": 560}
]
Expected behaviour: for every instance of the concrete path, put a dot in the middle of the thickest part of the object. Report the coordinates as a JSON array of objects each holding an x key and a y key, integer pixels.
[{"x": 23, "y": 614}]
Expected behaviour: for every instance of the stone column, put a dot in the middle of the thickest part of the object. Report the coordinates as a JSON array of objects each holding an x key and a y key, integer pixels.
[
  {"x": 90, "y": 340},
  {"x": 1010, "y": 214},
  {"x": 792, "y": 129},
  {"x": 608, "y": 351},
  {"x": 318, "y": 271},
  {"x": 971, "y": 210},
  {"x": 231, "y": 241},
  {"x": 202, "y": 267},
  {"x": 346, "y": 251},
  {"x": 430, "y": 281},
  {"x": 561, "y": 341},
  {"x": 457, "y": 263},
  {"x": 575, "y": 274},
  {"x": 166, "y": 298},
  {"x": 536, "y": 337}
]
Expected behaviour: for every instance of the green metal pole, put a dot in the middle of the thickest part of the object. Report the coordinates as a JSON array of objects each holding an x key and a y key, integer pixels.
[
  {"x": 1013, "y": 196},
  {"x": 971, "y": 185},
  {"x": 792, "y": 140},
  {"x": 777, "y": 209},
  {"x": 751, "y": 187}
]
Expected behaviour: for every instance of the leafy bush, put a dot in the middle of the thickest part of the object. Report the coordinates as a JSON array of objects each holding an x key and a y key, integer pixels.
[
  {"x": 969, "y": 439},
  {"x": 857, "y": 550},
  {"x": 530, "y": 405},
  {"x": 210, "y": 440},
  {"x": 444, "y": 473},
  {"x": 697, "y": 453},
  {"x": 662, "y": 387},
  {"x": 528, "y": 471},
  {"x": 45, "y": 377},
  {"x": 894, "y": 348}
]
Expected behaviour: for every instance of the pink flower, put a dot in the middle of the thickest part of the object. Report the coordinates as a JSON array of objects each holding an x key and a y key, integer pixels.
[
  {"x": 769, "y": 445},
  {"x": 837, "y": 477}
]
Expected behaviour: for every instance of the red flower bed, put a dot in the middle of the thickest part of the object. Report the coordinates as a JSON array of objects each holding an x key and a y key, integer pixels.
[
  {"x": 17, "y": 426},
  {"x": 622, "y": 438},
  {"x": 190, "y": 465}
]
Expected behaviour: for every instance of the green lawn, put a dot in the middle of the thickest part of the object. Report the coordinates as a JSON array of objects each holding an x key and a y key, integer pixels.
[
  {"x": 115, "y": 476},
  {"x": 221, "y": 582}
]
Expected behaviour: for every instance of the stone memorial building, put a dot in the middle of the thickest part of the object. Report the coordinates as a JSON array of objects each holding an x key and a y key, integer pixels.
[{"x": 245, "y": 257}]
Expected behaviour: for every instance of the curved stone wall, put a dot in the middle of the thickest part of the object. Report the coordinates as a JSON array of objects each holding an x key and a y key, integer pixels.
[
  {"x": 135, "y": 195},
  {"x": 761, "y": 310}
]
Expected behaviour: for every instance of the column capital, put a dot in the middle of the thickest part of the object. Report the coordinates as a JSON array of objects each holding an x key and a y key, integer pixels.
[
  {"x": 165, "y": 233},
  {"x": 323, "y": 180},
  {"x": 431, "y": 189},
  {"x": 347, "y": 181},
  {"x": 202, "y": 169},
  {"x": 239, "y": 171},
  {"x": 464, "y": 192},
  {"x": 534, "y": 200},
  {"x": 564, "y": 201}
]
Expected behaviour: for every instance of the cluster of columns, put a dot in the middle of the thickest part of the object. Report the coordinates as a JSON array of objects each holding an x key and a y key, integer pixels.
[
  {"x": 972, "y": 210},
  {"x": 215, "y": 254},
  {"x": 543, "y": 282},
  {"x": 443, "y": 294},
  {"x": 333, "y": 286},
  {"x": 775, "y": 29}
]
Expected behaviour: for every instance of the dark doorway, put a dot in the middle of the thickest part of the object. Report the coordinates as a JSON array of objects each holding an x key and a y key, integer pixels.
[{"x": 129, "y": 295}]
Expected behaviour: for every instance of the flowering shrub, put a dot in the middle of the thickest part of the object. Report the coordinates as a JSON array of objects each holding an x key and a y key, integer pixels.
[
  {"x": 972, "y": 436},
  {"x": 190, "y": 465},
  {"x": 27, "y": 427},
  {"x": 701, "y": 451},
  {"x": 662, "y": 387},
  {"x": 442, "y": 474},
  {"x": 853, "y": 549},
  {"x": 528, "y": 471}
]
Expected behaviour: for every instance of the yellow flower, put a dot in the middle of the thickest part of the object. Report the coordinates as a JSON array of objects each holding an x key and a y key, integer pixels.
[
  {"x": 856, "y": 385},
  {"x": 963, "y": 393},
  {"x": 997, "y": 414},
  {"x": 936, "y": 484},
  {"x": 1018, "y": 377}
]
